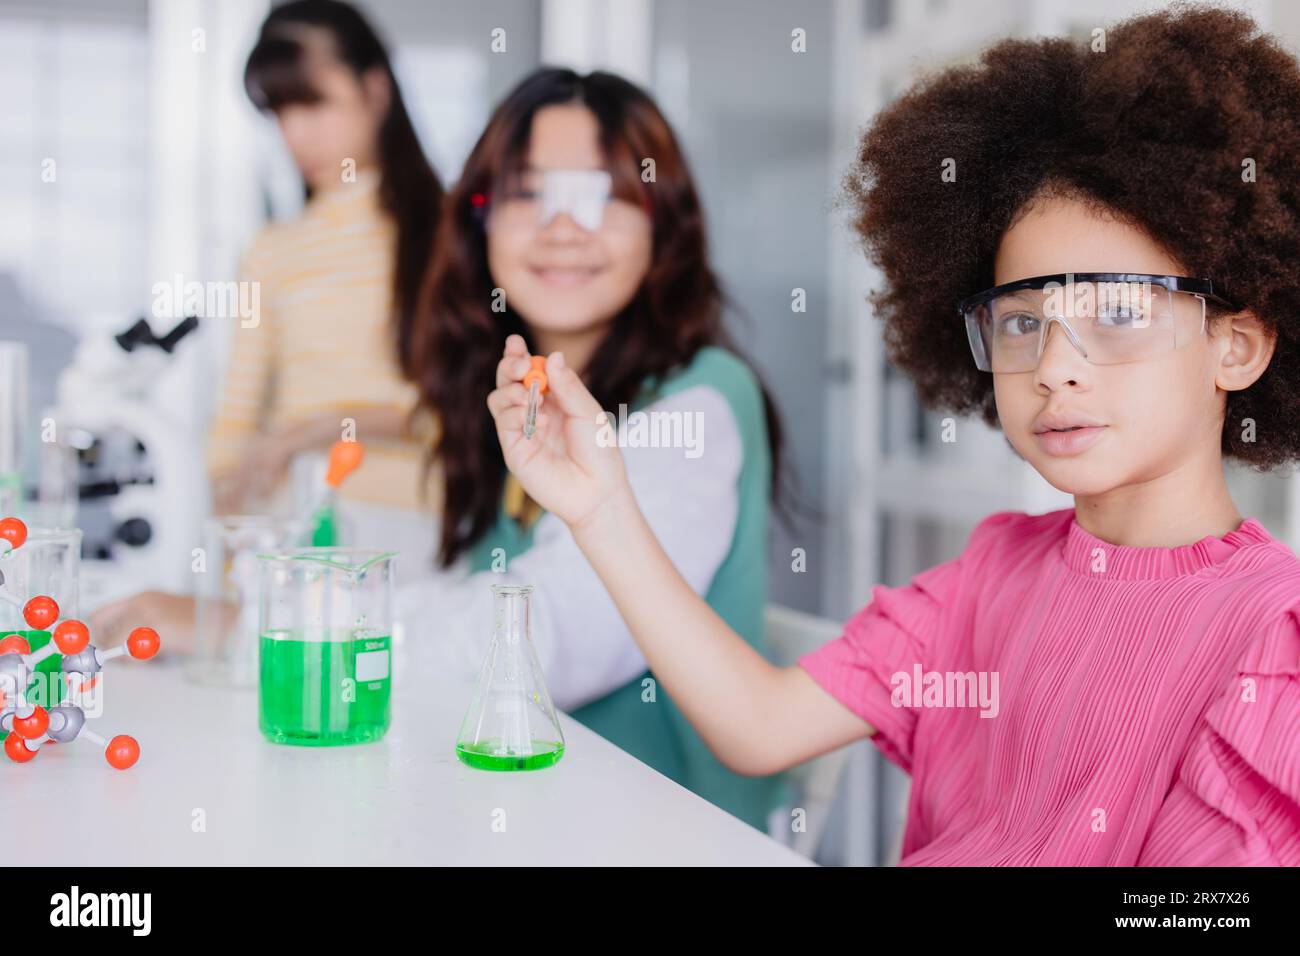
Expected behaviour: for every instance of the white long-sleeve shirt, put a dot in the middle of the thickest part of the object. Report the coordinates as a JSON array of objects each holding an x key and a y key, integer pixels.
[{"x": 689, "y": 498}]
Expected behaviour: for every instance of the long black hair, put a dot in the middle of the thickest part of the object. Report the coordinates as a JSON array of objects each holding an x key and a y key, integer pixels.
[
  {"x": 676, "y": 312},
  {"x": 276, "y": 75}
]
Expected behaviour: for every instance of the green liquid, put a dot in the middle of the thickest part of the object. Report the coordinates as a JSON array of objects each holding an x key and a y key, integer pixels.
[
  {"x": 325, "y": 534},
  {"x": 48, "y": 690},
  {"x": 484, "y": 756},
  {"x": 309, "y": 692}
]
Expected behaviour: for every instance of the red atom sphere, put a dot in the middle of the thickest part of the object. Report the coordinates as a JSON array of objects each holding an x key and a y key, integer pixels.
[
  {"x": 40, "y": 612},
  {"x": 13, "y": 531},
  {"x": 143, "y": 643},
  {"x": 14, "y": 644},
  {"x": 72, "y": 637},
  {"x": 17, "y": 750},
  {"x": 122, "y": 752},
  {"x": 31, "y": 727}
]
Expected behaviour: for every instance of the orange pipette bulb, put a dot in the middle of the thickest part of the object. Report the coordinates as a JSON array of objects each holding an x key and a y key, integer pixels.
[{"x": 345, "y": 458}]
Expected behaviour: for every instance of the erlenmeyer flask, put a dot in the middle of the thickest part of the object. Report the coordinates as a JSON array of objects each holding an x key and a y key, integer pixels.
[{"x": 511, "y": 722}]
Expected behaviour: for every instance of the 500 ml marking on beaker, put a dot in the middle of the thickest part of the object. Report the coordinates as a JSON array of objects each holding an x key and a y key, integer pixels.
[{"x": 324, "y": 688}]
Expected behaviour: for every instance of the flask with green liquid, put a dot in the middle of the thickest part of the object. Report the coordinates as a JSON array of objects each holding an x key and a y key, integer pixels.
[{"x": 511, "y": 722}]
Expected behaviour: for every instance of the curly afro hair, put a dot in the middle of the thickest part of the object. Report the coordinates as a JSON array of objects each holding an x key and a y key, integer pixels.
[{"x": 1193, "y": 91}]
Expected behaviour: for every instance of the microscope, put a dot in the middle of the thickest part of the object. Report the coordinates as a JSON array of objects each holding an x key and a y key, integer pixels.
[{"x": 124, "y": 406}]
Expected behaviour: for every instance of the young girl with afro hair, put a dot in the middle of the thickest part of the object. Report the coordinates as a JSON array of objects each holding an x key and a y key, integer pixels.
[{"x": 1097, "y": 250}]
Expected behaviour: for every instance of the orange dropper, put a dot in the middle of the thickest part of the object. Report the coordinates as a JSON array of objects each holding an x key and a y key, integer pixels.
[
  {"x": 535, "y": 382},
  {"x": 345, "y": 458}
]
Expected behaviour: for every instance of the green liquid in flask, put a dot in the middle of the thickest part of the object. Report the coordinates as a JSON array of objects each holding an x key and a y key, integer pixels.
[
  {"x": 326, "y": 691},
  {"x": 487, "y": 755},
  {"x": 510, "y": 723}
]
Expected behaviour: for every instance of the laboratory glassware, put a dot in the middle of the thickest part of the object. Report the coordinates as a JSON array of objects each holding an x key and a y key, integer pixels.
[
  {"x": 511, "y": 723},
  {"x": 226, "y": 606},
  {"x": 13, "y": 425},
  {"x": 325, "y": 624},
  {"x": 48, "y": 564}
]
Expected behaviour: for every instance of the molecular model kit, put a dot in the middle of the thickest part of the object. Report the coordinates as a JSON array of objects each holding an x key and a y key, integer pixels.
[{"x": 27, "y": 726}]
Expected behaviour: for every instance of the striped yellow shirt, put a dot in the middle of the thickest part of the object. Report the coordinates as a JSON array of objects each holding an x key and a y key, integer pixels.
[{"x": 325, "y": 341}]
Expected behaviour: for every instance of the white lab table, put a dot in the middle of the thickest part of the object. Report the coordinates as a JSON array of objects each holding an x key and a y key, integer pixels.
[{"x": 403, "y": 800}]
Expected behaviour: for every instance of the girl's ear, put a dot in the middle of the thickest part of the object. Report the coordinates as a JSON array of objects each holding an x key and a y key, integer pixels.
[{"x": 1250, "y": 346}]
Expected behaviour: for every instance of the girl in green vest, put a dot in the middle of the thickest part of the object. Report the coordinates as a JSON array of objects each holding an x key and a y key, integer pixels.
[{"x": 575, "y": 225}]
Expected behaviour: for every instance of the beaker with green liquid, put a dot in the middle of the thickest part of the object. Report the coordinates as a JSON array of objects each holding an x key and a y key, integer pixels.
[
  {"x": 325, "y": 645},
  {"x": 48, "y": 563},
  {"x": 511, "y": 722}
]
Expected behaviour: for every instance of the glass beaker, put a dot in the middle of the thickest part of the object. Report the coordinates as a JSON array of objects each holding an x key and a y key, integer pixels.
[
  {"x": 226, "y": 609},
  {"x": 511, "y": 722},
  {"x": 58, "y": 485},
  {"x": 13, "y": 426},
  {"x": 325, "y": 648},
  {"x": 48, "y": 563}
]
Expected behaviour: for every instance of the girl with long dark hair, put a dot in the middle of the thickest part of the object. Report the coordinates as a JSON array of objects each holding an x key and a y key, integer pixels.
[
  {"x": 337, "y": 293},
  {"x": 576, "y": 226},
  {"x": 338, "y": 285}
]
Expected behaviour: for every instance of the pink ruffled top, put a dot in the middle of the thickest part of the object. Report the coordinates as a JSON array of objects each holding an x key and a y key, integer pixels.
[{"x": 1060, "y": 700}]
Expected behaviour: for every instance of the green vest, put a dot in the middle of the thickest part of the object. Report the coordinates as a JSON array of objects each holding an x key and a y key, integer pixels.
[{"x": 656, "y": 732}]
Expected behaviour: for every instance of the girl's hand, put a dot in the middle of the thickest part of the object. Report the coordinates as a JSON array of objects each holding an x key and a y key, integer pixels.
[
  {"x": 571, "y": 466},
  {"x": 171, "y": 615}
]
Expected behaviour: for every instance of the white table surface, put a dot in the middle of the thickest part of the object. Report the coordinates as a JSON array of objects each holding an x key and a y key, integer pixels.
[{"x": 403, "y": 800}]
